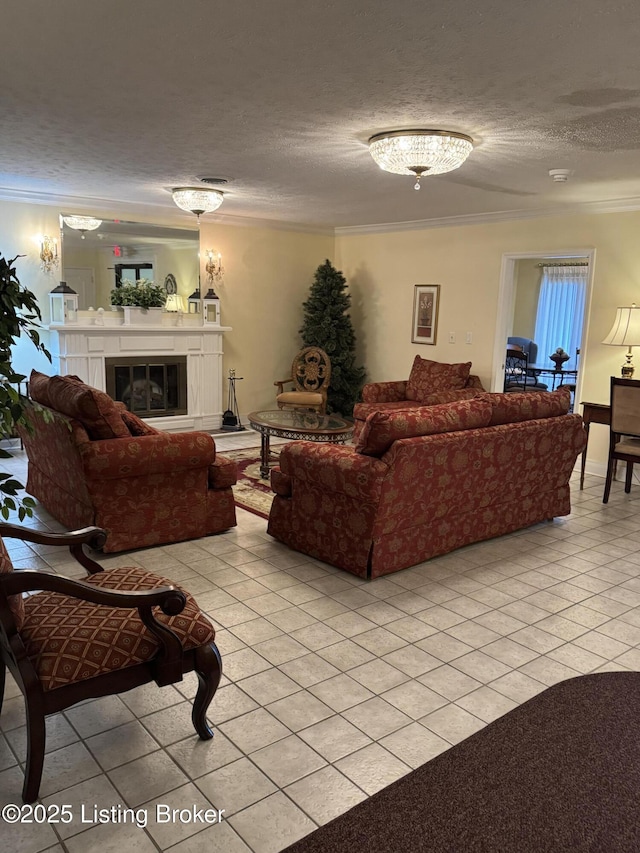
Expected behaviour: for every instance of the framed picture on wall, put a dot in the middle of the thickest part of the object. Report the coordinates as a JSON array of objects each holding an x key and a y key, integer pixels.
[{"x": 425, "y": 313}]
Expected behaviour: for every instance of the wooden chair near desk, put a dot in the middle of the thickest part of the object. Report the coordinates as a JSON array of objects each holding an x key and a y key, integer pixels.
[{"x": 624, "y": 430}]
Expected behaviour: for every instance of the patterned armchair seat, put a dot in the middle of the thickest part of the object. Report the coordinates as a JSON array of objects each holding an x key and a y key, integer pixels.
[
  {"x": 92, "y": 462},
  {"x": 424, "y": 481},
  {"x": 429, "y": 383}
]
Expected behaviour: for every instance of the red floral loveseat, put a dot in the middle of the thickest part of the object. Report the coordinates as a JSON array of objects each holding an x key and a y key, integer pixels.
[
  {"x": 429, "y": 383},
  {"x": 425, "y": 481},
  {"x": 91, "y": 462}
]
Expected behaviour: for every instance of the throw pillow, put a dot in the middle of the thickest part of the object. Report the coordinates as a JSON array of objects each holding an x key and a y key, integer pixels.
[
  {"x": 381, "y": 429},
  {"x": 136, "y": 425},
  {"x": 427, "y": 377},
  {"x": 95, "y": 410},
  {"x": 39, "y": 388},
  {"x": 512, "y": 408}
]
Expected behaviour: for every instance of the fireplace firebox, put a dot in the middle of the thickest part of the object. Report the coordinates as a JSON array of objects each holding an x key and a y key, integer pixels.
[{"x": 151, "y": 386}]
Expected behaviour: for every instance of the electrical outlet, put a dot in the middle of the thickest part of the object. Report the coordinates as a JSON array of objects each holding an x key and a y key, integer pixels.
[
  {"x": 452, "y": 337},
  {"x": 469, "y": 337}
]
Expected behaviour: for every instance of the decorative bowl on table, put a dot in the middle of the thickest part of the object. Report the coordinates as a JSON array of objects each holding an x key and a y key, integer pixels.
[{"x": 559, "y": 357}]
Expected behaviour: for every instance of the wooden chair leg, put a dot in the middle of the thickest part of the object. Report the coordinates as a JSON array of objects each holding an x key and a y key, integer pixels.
[
  {"x": 208, "y": 668},
  {"x": 36, "y": 738},
  {"x": 607, "y": 482},
  {"x": 628, "y": 477}
]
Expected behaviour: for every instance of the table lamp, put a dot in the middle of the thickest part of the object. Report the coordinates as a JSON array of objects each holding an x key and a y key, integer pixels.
[{"x": 625, "y": 332}]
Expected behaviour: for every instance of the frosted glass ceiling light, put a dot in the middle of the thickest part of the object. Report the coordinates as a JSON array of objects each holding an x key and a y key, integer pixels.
[
  {"x": 420, "y": 152},
  {"x": 197, "y": 200},
  {"x": 82, "y": 223}
]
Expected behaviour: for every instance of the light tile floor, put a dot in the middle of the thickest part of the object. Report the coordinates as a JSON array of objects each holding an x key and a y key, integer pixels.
[{"x": 334, "y": 687}]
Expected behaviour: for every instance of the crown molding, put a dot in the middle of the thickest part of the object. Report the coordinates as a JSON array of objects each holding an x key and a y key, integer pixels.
[
  {"x": 108, "y": 208},
  {"x": 591, "y": 207}
]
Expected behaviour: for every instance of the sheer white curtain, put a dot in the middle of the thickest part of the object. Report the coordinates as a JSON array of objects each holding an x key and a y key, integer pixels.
[{"x": 560, "y": 311}]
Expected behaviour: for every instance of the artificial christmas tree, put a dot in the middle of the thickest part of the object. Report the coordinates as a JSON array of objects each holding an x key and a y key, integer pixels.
[{"x": 327, "y": 324}]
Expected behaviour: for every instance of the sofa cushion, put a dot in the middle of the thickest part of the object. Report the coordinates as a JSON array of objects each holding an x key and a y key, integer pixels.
[
  {"x": 39, "y": 388},
  {"x": 95, "y": 410},
  {"x": 427, "y": 377},
  {"x": 70, "y": 640},
  {"x": 511, "y": 408},
  {"x": 381, "y": 429},
  {"x": 136, "y": 425}
]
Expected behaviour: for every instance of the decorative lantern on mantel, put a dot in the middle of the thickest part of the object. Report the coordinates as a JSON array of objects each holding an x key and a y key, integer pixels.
[
  {"x": 63, "y": 304},
  {"x": 211, "y": 309},
  {"x": 193, "y": 302}
]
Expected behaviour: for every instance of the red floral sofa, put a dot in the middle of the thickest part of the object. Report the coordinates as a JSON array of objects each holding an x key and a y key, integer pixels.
[
  {"x": 429, "y": 383},
  {"x": 91, "y": 462},
  {"x": 425, "y": 481}
]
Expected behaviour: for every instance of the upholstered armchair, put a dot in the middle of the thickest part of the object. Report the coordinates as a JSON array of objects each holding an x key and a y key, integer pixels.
[
  {"x": 79, "y": 639},
  {"x": 310, "y": 376},
  {"x": 91, "y": 462}
]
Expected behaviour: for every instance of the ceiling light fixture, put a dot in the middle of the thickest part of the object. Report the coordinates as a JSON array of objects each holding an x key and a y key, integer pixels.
[
  {"x": 82, "y": 223},
  {"x": 419, "y": 152},
  {"x": 197, "y": 200}
]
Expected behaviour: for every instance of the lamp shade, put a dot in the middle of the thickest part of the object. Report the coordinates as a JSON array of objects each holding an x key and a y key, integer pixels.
[{"x": 626, "y": 328}]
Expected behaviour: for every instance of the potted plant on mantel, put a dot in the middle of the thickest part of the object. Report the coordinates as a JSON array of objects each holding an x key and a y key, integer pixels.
[
  {"x": 19, "y": 313},
  {"x": 142, "y": 301}
]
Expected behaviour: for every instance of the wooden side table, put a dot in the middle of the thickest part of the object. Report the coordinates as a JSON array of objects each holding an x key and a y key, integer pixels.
[{"x": 592, "y": 413}]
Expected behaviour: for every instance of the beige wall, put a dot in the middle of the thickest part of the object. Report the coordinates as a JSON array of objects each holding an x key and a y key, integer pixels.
[
  {"x": 268, "y": 273},
  {"x": 382, "y": 269}
]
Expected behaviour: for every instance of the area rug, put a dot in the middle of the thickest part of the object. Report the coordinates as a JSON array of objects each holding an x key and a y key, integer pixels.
[
  {"x": 251, "y": 492},
  {"x": 559, "y": 774}
]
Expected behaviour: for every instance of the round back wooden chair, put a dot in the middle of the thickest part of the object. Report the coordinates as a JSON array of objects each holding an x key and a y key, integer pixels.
[{"x": 310, "y": 375}]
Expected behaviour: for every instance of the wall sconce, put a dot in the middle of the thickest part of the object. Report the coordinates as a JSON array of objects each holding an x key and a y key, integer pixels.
[
  {"x": 213, "y": 267},
  {"x": 625, "y": 332},
  {"x": 48, "y": 253}
]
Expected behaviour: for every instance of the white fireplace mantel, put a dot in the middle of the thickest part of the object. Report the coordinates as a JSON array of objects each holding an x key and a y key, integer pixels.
[{"x": 82, "y": 349}]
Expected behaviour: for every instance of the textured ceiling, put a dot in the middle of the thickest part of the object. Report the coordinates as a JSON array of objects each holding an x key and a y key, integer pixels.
[{"x": 119, "y": 101}]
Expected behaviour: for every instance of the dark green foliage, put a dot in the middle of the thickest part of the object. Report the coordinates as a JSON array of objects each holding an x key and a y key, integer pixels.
[
  {"x": 19, "y": 313},
  {"x": 327, "y": 324}
]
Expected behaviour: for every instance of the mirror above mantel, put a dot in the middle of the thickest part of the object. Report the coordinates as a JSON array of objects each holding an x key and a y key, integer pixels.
[{"x": 93, "y": 259}]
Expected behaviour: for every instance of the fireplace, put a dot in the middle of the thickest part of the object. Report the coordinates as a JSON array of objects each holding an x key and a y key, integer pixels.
[{"x": 150, "y": 386}]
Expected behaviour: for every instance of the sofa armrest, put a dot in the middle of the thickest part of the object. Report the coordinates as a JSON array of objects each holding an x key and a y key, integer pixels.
[
  {"x": 474, "y": 382},
  {"x": 385, "y": 392},
  {"x": 333, "y": 468},
  {"x": 116, "y": 458}
]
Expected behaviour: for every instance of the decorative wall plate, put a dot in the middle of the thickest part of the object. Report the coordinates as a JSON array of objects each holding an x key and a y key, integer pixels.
[{"x": 170, "y": 284}]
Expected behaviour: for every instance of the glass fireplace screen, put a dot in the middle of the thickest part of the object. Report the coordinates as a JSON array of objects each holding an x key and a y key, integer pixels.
[{"x": 149, "y": 387}]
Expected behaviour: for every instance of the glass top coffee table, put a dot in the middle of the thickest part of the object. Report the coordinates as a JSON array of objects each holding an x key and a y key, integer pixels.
[{"x": 291, "y": 423}]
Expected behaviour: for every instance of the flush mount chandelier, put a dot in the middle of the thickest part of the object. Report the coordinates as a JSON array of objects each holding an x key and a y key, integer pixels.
[
  {"x": 420, "y": 152},
  {"x": 82, "y": 223},
  {"x": 197, "y": 200}
]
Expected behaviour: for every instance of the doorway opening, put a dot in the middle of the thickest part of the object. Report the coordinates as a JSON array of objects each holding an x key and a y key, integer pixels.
[{"x": 524, "y": 312}]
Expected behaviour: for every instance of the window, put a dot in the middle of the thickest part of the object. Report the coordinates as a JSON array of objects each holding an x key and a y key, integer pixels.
[
  {"x": 132, "y": 272},
  {"x": 560, "y": 313}
]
